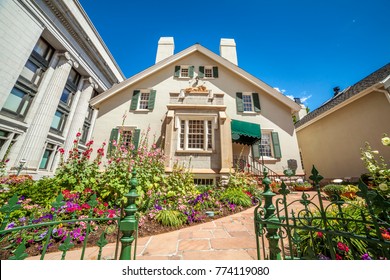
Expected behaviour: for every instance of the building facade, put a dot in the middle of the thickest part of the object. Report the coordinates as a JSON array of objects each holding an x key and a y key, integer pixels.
[
  {"x": 53, "y": 61},
  {"x": 331, "y": 136},
  {"x": 203, "y": 110}
]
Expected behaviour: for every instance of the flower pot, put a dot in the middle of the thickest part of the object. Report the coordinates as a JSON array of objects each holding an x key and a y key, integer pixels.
[{"x": 302, "y": 188}]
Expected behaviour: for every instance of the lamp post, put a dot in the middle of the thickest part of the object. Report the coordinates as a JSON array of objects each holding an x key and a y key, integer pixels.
[{"x": 22, "y": 162}]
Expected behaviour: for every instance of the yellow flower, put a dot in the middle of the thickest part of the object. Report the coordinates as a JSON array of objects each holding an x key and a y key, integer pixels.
[{"x": 386, "y": 141}]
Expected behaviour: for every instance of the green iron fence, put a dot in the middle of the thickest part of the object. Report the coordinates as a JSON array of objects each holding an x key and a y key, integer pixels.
[
  {"x": 321, "y": 227},
  {"x": 14, "y": 240}
]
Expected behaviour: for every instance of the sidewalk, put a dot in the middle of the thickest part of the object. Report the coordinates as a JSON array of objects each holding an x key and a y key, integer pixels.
[{"x": 227, "y": 238}]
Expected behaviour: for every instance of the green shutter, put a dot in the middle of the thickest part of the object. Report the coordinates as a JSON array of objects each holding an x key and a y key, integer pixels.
[
  {"x": 113, "y": 136},
  {"x": 240, "y": 105},
  {"x": 177, "y": 71},
  {"x": 276, "y": 144},
  {"x": 152, "y": 97},
  {"x": 256, "y": 150},
  {"x": 134, "y": 100},
  {"x": 201, "y": 72},
  {"x": 136, "y": 136},
  {"x": 256, "y": 101},
  {"x": 215, "y": 72},
  {"x": 191, "y": 71}
]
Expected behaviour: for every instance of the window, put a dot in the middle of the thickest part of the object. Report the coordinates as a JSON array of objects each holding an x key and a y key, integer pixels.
[
  {"x": 265, "y": 145},
  {"x": 247, "y": 102},
  {"x": 143, "y": 100},
  {"x": 66, "y": 99},
  {"x": 124, "y": 136},
  {"x": 7, "y": 140},
  {"x": 21, "y": 96},
  {"x": 87, "y": 125},
  {"x": 18, "y": 102},
  {"x": 70, "y": 88},
  {"x": 47, "y": 156},
  {"x": 204, "y": 181},
  {"x": 196, "y": 134},
  {"x": 208, "y": 72},
  {"x": 268, "y": 147},
  {"x": 58, "y": 122},
  {"x": 184, "y": 71}
]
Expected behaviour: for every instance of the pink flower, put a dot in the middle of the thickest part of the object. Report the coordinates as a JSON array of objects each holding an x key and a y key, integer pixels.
[{"x": 78, "y": 134}]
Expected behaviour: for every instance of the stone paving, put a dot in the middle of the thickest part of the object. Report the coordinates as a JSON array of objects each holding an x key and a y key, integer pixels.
[{"x": 227, "y": 238}]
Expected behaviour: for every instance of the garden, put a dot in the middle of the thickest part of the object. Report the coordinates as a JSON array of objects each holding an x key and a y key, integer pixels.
[{"x": 80, "y": 190}]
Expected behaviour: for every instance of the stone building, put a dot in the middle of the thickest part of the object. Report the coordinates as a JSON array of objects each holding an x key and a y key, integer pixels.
[{"x": 52, "y": 62}]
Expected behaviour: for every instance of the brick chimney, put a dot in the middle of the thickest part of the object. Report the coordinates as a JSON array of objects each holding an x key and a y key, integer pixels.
[
  {"x": 165, "y": 48},
  {"x": 227, "y": 50}
]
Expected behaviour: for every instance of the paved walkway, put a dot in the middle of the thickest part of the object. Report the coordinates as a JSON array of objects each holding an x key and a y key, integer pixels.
[{"x": 227, "y": 238}]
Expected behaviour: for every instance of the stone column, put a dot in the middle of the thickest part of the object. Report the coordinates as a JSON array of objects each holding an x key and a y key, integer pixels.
[
  {"x": 79, "y": 113},
  {"x": 226, "y": 143},
  {"x": 36, "y": 134}
]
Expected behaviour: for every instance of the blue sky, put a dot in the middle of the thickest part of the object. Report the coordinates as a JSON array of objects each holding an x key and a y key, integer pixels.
[{"x": 303, "y": 48}]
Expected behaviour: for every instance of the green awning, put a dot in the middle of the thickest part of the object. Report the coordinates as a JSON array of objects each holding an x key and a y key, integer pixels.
[{"x": 245, "y": 132}]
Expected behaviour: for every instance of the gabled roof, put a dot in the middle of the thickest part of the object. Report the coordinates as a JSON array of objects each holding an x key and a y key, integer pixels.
[
  {"x": 174, "y": 58},
  {"x": 376, "y": 78}
]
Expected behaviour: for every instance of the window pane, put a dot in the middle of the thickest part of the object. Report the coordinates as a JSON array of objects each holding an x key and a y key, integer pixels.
[
  {"x": 45, "y": 159},
  {"x": 41, "y": 48},
  {"x": 144, "y": 100},
  {"x": 65, "y": 95},
  {"x": 29, "y": 71},
  {"x": 208, "y": 72},
  {"x": 182, "y": 128},
  {"x": 184, "y": 72},
  {"x": 57, "y": 120},
  {"x": 126, "y": 138},
  {"x": 209, "y": 135},
  {"x": 14, "y": 100},
  {"x": 265, "y": 145},
  {"x": 195, "y": 134},
  {"x": 247, "y": 102}
]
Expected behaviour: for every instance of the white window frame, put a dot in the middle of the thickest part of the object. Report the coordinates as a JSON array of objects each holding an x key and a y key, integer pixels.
[
  {"x": 184, "y": 67},
  {"x": 246, "y": 95},
  {"x": 206, "y": 132},
  {"x": 130, "y": 129},
  {"x": 267, "y": 132},
  {"x": 144, "y": 101},
  {"x": 208, "y": 68}
]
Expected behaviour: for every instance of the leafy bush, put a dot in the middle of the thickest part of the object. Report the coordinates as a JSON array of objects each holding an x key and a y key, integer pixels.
[
  {"x": 237, "y": 197},
  {"x": 171, "y": 218}
]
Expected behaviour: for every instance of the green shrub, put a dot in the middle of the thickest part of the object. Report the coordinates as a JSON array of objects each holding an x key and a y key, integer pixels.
[
  {"x": 237, "y": 197},
  {"x": 170, "y": 218}
]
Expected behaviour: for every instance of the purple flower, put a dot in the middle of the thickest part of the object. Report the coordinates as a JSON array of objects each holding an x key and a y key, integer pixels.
[
  {"x": 322, "y": 257},
  {"x": 10, "y": 225},
  {"x": 366, "y": 256}
]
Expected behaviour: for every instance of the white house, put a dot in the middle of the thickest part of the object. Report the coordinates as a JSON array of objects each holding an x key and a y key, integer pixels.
[
  {"x": 52, "y": 61},
  {"x": 203, "y": 109}
]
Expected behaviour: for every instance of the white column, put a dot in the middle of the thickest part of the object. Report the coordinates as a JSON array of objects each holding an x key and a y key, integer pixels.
[
  {"x": 37, "y": 132},
  {"x": 80, "y": 113}
]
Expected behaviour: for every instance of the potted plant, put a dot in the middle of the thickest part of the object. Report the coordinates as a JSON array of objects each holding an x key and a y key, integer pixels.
[
  {"x": 304, "y": 186},
  {"x": 349, "y": 191}
]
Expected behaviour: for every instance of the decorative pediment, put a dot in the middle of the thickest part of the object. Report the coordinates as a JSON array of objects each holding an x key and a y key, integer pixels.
[{"x": 198, "y": 89}]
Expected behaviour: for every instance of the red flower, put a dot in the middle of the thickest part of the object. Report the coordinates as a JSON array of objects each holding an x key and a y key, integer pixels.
[
  {"x": 61, "y": 150},
  {"x": 78, "y": 134},
  {"x": 338, "y": 257},
  {"x": 342, "y": 247},
  {"x": 320, "y": 234}
]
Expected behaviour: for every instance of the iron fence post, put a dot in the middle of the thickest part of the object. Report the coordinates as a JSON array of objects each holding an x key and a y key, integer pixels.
[
  {"x": 272, "y": 228},
  {"x": 129, "y": 224}
]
